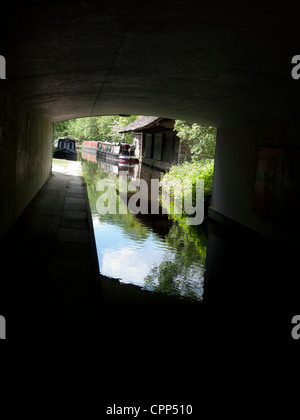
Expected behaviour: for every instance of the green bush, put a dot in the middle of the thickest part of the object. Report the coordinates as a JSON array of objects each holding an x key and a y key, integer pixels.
[{"x": 191, "y": 171}]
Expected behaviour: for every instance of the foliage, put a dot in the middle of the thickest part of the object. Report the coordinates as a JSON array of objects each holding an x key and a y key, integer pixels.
[
  {"x": 202, "y": 141},
  {"x": 120, "y": 123},
  {"x": 61, "y": 129},
  {"x": 95, "y": 128},
  {"x": 200, "y": 138},
  {"x": 191, "y": 171}
]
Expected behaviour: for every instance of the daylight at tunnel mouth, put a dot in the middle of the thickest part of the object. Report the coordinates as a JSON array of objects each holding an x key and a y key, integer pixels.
[{"x": 137, "y": 172}]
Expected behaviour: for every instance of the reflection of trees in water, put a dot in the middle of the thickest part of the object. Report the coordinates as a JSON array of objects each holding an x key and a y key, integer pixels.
[
  {"x": 130, "y": 225},
  {"x": 173, "y": 278},
  {"x": 183, "y": 273}
]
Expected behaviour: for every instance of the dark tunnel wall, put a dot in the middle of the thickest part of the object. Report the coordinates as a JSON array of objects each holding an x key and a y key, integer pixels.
[
  {"x": 256, "y": 179},
  {"x": 25, "y": 157}
]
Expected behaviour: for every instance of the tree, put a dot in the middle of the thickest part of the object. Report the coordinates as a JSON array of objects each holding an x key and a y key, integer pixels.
[
  {"x": 200, "y": 138},
  {"x": 61, "y": 129},
  {"x": 202, "y": 141},
  {"x": 121, "y": 123},
  {"x": 95, "y": 128}
]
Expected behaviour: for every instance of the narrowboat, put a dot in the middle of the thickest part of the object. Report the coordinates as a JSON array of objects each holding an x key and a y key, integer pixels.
[
  {"x": 90, "y": 147},
  {"x": 66, "y": 149},
  {"x": 121, "y": 153}
]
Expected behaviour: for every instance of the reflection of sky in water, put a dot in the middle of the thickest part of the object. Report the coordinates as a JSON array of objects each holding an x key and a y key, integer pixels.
[
  {"x": 137, "y": 259},
  {"x": 129, "y": 260},
  {"x": 152, "y": 253}
]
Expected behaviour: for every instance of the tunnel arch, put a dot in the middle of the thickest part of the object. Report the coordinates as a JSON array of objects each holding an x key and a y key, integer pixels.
[{"x": 194, "y": 62}]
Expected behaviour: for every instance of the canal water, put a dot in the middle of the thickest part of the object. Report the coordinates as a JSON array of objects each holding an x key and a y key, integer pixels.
[{"x": 154, "y": 252}]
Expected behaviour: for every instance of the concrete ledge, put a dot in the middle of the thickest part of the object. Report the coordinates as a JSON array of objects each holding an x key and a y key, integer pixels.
[
  {"x": 156, "y": 164},
  {"x": 237, "y": 228}
]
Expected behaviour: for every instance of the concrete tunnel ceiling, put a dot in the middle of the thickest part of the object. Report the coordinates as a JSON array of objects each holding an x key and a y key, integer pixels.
[{"x": 222, "y": 64}]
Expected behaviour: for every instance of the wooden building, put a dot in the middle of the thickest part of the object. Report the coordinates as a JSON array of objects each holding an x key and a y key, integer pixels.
[{"x": 156, "y": 142}]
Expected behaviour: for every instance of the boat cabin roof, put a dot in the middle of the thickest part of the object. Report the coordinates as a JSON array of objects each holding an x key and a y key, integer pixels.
[
  {"x": 67, "y": 138},
  {"x": 113, "y": 143}
]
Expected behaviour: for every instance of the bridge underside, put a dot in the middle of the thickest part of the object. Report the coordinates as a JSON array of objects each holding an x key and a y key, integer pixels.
[{"x": 218, "y": 65}]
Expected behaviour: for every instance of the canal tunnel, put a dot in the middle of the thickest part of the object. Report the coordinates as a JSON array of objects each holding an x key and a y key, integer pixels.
[{"x": 230, "y": 68}]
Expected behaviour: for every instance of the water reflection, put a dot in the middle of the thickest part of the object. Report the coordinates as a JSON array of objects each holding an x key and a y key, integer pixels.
[{"x": 153, "y": 252}]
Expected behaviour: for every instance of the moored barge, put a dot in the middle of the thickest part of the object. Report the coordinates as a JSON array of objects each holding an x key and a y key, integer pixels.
[
  {"x": 122, "y": 153},
  {"x": 66, "y": 149}
]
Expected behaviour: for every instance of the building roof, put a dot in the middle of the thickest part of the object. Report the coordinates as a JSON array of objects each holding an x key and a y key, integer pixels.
[{"x": 140, "y": 124}]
